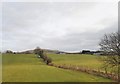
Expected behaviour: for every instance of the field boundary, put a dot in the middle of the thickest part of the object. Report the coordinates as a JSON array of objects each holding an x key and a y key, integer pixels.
[{"x": 87, "y": 70}]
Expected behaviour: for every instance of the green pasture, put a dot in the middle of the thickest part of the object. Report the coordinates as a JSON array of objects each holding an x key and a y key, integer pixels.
[
  {"x": 91, "y": 61},
  {"x": 28, "y": 68},
  {"x": 81, "y": 60}
]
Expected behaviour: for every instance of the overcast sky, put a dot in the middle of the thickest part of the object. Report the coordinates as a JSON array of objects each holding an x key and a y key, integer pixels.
[{"x": 66, "y": 26}]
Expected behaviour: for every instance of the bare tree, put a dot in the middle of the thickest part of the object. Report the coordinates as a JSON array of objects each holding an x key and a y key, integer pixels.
[{"x": 110, "y": 45}]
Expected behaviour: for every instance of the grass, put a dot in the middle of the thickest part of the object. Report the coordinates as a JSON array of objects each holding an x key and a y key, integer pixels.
[
  {"x": 81, "y": 60},
  {"x": 90, "y": 61},
  {"x": 28, "y": 68}
]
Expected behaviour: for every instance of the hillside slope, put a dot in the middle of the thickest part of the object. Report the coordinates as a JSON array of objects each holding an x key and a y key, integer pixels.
[{"x": 28, "y": 68}]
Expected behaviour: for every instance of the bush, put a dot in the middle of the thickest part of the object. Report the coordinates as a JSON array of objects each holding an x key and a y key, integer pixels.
[
  {"x": 9, "y": 51},
  {"x": 49, "y": 60},
  {"x": 45, "y": 58},
  {"x": 38, "y": 51},
  {"x": 43, "y": 55}
]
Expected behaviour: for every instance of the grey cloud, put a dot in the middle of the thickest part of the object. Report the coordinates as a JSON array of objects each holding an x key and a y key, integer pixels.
[
  {"x": 80, "y": 41},
  {"x": 62, "y": 26}
]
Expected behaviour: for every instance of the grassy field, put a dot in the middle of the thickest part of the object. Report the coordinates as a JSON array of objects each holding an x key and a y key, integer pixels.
[
  {"x": 90, "y": 61},
  {"x": 28, "y": 68},
  {"x": 81, "y": 60}
]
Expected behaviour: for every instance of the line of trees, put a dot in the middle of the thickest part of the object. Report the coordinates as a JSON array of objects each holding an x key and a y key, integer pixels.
[{"x": 43, "y": 55}]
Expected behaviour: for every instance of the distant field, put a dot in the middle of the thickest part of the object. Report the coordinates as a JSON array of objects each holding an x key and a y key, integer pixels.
[
  {"x": 81, "y": 60},
  {"x": 90, "y": 61},
  {"x": 28, "y": 68}
]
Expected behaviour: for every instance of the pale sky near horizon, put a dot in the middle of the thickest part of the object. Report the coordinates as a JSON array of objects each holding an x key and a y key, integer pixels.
[{"x": 66, "y": 26}]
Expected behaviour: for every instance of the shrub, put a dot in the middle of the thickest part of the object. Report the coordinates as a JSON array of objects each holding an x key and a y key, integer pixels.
[
  {"x": 45, "y": 58},
  {"x": 43, "y": 55},
  {"x": 9, "y": 51},
  {"x": 49, "y": 60},
  {"x": 38, "y": 51}
]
